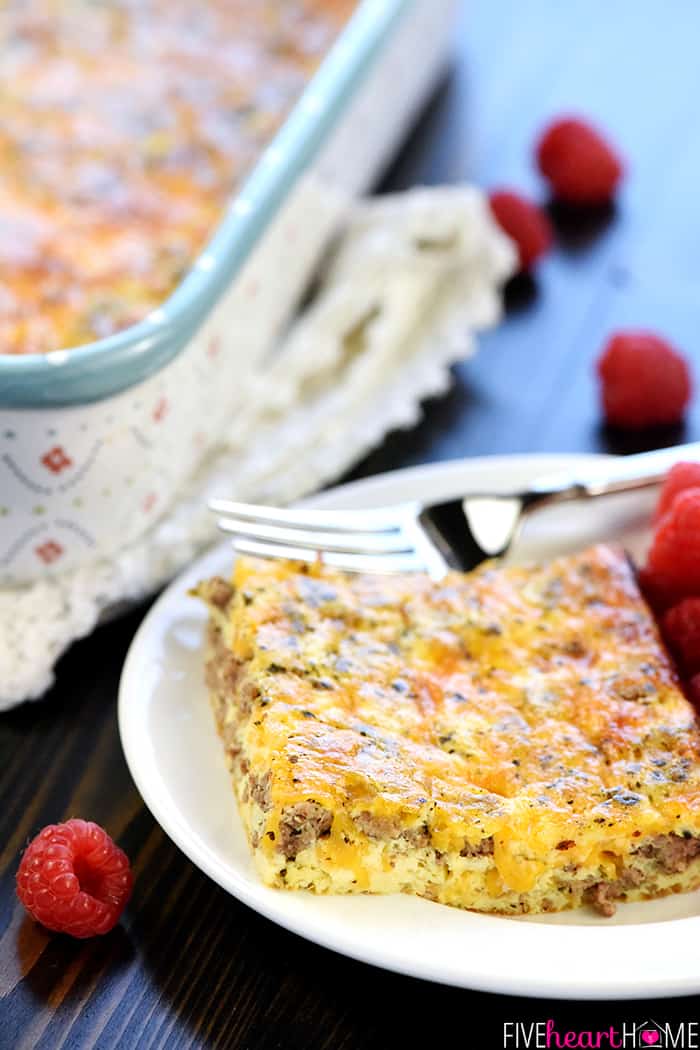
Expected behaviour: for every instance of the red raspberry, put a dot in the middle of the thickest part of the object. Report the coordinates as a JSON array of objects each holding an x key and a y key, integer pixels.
[
  {"x": 524, "y": 222},
  {"x": 644, "y": 380},
  {"x": 581, "y": 167},
  {"x": 681, "y": 476},
  {"x": 73, "y": 879},
  {"x": 659, "y": 593},
  {"x": 674, "y": 557},
  {"x": 681, "y": 627},
  {"x": 692, "y": 689}
]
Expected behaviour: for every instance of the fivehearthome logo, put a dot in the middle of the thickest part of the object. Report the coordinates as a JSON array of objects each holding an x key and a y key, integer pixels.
[{"x": 629, "y": 1035}]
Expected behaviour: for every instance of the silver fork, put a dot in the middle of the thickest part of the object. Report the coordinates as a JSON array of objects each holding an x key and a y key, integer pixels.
[{"x": 413, "y": 537}]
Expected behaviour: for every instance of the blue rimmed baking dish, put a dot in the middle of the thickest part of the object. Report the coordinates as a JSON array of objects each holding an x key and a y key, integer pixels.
[{"x": 96, "y": 441}]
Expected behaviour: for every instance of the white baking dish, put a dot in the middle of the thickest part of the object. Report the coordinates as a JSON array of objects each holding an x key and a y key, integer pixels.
[{"x": 95, "y": 442}]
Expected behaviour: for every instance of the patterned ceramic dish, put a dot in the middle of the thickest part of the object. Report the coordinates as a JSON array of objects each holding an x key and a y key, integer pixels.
[{"x": 96, "y": 441}]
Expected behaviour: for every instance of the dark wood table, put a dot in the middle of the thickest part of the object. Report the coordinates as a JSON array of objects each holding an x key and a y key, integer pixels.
[{"x": 190, "y": 966}]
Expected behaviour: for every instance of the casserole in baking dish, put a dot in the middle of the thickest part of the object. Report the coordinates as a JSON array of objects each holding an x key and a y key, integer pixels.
[
  {"x": 97, "y": 439},
  {"x": 126, "y": 127}
]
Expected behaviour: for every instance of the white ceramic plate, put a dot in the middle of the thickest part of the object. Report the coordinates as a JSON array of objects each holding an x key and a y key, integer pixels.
[{"x": 648, "y": 949}]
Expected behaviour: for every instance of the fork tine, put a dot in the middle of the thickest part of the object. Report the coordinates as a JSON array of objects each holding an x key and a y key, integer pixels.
[
  {"x": 381, "y": 519},
  {"x": 340, "y": 542},
  {"x": 385, "y": 564}
]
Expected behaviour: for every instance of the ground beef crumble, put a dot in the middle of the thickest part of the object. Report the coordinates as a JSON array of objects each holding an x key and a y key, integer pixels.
[
  {"x": 217, "y": 592},
  {"x": 260, "y": 790},
  {"x": 478, "y": 849},
  {"x": 301, "y": 825},
  {"x": 388, "y": 828},
  {"x": 672, "y": 853}
]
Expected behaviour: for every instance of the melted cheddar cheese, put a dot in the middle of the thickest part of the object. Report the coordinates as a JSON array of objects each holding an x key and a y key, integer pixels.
[
  {"x": 124, "y": 128},
  {"x": 509, "y": 732}
]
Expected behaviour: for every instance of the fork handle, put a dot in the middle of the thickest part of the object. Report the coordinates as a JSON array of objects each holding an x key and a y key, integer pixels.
[{"x": 622, "y": 474}]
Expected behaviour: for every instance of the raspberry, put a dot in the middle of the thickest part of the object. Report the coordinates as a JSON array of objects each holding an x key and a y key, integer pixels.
[
  {"x": 581, "y": 167},
  {"x": 674, "y": 557},
  {"x": 681, "y": 476},
  {"x": 524, "y": 222},
  {"x": 659, "y": 593},
  {"x": 681, "y": 627},
  {"x": 692, "y": 689},
  {"x": 73, "y": 879},
  {"x": 644, "y": 381}
]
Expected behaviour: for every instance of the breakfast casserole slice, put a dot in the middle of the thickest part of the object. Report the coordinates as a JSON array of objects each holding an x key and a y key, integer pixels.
[{"x": 508, "y": 740}]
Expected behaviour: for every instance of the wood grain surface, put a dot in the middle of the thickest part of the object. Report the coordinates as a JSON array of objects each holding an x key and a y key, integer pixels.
[{"x": 189, "y": 966}]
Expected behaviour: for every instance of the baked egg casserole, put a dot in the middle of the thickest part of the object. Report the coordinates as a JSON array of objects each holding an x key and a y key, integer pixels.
[
  {"x": 124, "y": 129},
  {"x": 510, "y": 740}
]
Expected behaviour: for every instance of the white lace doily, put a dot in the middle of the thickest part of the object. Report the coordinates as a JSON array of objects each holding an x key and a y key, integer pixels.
[{"x": 414, "y": 276}]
